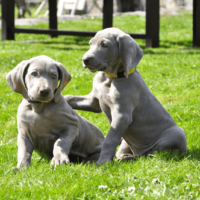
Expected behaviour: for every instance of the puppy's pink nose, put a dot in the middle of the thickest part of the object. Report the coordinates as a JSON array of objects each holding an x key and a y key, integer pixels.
[{"x": 45, "y": 93}]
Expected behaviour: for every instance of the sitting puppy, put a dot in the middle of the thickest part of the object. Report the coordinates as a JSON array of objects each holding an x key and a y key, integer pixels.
[
  {"x": 46, "y": 122},
  {"x": 120, "y": 92}
]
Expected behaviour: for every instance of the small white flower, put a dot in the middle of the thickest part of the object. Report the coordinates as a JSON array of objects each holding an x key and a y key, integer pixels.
[
  {"x": 156, "y": 192},
  {"x": 102, "y": 186},
  {"x": 131, "y": 188},
  {"x": 155, "y": 180}
]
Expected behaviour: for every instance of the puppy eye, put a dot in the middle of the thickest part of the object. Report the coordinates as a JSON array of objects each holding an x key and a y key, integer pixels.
[
  {"x": 104, "y": 45},
  {"x": 54, "y": 76},
  {"x": 34, "y": 73}
]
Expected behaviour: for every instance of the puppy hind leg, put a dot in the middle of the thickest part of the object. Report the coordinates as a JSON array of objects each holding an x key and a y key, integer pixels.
[
  {"x": 124, "y": 151},
  {"x": 174, "y": 139}
]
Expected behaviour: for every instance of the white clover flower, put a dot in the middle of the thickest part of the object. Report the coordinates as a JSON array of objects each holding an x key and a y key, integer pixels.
[
  {"x": 131, "y": 188},
  {"x": 102, "y": 186}
]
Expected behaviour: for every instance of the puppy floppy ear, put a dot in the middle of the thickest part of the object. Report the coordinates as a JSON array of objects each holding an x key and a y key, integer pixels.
[
  {"x": 16, "y": 78},
  {"x": 129, "y": 51},
  {"x": 64, "y": 77}
]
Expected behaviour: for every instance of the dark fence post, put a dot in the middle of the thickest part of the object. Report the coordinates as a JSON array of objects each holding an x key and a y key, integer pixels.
[
  {"x": 107, "y": 13},
  {"x": 152, "y": 23},
  {"x": 196, "y": 23},
  {"x": 53, "y": 16},
  {"x": 8, "y": 19}
]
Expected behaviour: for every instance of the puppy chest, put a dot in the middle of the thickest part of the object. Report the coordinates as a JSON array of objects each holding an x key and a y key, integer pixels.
[
  {"x": 52, "y": 124},
  {"x": 43, "y": 128},
  {"x": 44, "y": 131},
  {"x": 105, "y": 100}
]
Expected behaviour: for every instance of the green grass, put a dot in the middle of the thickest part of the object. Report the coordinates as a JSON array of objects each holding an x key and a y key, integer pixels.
[{"x": 172, "y": 74}]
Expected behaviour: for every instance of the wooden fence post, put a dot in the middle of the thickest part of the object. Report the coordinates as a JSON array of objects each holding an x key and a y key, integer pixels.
[
  {"x": 107, "y": 13},
  {"x": 152, "y": 23},
  {"x": 196, "y": 23},
  {"x": 53, "y": 24},
  {"x": 8, "y": 19}
]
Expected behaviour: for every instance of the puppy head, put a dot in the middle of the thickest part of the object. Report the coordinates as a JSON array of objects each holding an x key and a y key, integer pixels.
[
  {"x": 110, "y": 49},
  {"x": 37, "y": 79}
]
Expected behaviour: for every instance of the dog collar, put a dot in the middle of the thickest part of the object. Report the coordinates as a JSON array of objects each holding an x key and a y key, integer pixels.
[
  {"x": 31, "y": 101},
  {"x": 36, "y": 101},
  {"x": 121, "y": 74}
]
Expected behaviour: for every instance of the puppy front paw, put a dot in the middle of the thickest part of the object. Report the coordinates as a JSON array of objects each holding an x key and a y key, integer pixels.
[
  {"x": 102, "y": 161},
  {"x": 59, "y": 160},
  {"x": 15, "y": 169},
  {"x": 20, "y": 168}
]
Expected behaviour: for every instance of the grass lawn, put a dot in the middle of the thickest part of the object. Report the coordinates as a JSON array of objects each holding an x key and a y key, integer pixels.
[{"x": 172, "y": 74}]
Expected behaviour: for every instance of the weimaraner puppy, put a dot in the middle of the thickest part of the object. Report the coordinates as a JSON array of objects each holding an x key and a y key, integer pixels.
[
  {"x": 46, "y": 122},
  {"x": 120, "y": 92}
]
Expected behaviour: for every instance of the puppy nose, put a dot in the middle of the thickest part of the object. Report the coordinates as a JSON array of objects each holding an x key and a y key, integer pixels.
[
  {"x": 45, "y": 92},
  {"x": 86, "y": 60}
]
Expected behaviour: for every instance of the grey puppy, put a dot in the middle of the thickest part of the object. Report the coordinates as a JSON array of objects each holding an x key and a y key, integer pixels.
[
  {"x": 120, "y": 92},
  {"x": 46, "y": 122}
]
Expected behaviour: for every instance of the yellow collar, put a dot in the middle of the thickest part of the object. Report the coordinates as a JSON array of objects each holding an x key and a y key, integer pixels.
[{"x": 121, "y": 74}]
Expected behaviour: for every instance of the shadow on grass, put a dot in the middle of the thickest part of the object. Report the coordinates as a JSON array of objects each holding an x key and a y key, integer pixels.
[
  {"x": 68, "y": 48},
  {"x": 67, "y": 40},
  {"x": 62, "y": 46},
  {"x": 167, "y": 156},
  {"x": 172, "y": 52},
  {"x": 173, "y": 47},
  {"x": 175, "y": 155},
  {"x": 58, "y": 43},
  {"x": 194, "y": 154},
  {"x": 82, "y": 43},
  {"x": 85, "y": 47},
  {"x": 171, "y": 43},
  {"x": 177, "y": 51}
]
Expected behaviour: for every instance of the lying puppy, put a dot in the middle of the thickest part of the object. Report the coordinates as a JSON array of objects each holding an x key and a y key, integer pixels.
[
  {"x": 46, "y": 122},
  {"x": 120, "y": 92}
]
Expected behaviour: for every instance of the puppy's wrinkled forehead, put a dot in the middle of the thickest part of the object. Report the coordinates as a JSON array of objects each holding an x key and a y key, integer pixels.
[
  {"x": 106, "y": 35},
  {"x": 100, "y": 37},
  {"x": 42, "y": 65}
]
